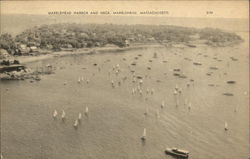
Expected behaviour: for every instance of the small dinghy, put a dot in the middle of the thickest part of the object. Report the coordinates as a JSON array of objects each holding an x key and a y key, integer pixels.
[
  {"x": 197, "y": 63},
  {"x": 231, "y": 82},
  {"x": 143, "y": 137},
  {"x": 228, "y": 94}
]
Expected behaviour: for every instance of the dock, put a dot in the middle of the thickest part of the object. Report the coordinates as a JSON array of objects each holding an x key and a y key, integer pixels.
[{"x": 9, "y": 68}]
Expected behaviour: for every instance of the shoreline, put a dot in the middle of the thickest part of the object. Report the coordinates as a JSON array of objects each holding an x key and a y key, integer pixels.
[{"x": 85, "y": 51}]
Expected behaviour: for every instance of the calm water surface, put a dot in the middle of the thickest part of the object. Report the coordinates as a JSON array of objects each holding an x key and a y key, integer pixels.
[{"x": 116, "y": 118}]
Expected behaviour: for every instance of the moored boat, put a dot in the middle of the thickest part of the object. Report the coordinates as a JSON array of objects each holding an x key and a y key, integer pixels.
[
  {"x": 177, "y": 152},
  {"x": 143, "y": 137}
]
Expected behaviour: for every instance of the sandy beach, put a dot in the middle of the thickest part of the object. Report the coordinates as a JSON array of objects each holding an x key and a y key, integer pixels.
[{"x": 108, "y": 49}]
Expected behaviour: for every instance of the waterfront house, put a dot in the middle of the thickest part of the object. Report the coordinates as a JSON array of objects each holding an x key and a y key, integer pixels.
[
  {"x": 127, "y": 43},
  {"x": 4, "y": 54},
  {"x": 23, "y": 49},
  {"x": 33, "y": 49}
]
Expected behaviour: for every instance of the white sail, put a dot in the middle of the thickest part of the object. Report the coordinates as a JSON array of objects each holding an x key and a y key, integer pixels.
[
  {"x": 176, "y": 87},
  {"x": 55, "y": 114},
  {"x": 175, "y": 92},
  {"x": 152, "y": 91},
  {"x": 143, "y": 137},
  {"x": 63, "y": 114},
  {"x": 144, "y": 132},
  {"x": 79, "y": 116},
  {"x": 86, "y": 110},
  {"x": 162, "y": 104},
  {"x": 157, "y": 114},
  {"x": 141, "y": 82},
  {"x": 140, "y": 92},
  {"x": 226, "y": 126},
  {"x": 76, "y": 123},
  {"x": 133, "y": 91}
]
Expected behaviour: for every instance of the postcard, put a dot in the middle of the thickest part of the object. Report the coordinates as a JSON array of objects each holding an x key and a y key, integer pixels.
[{"x": 124, "y": 79}]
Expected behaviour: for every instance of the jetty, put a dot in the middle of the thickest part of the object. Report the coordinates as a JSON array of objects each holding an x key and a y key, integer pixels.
[{"x": 9, "y": 68}]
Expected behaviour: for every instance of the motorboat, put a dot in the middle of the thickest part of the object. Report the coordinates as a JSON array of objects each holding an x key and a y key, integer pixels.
[{"x": 177, "y": 152}]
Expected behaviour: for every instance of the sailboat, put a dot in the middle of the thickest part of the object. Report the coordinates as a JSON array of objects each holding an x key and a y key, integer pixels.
[
  {"x": 87, "y": 81},
  {"x": 162, "y": 104},
  {"x": 140, "y": 92},
  {"x": 141, "y": 82},
  {"x": 157, "y": 114},
  {"x": 226, "y": 126},
  {"x": 55, "y": 114},
  {"x": 112, "y": 83},
  {"x": 146, "y": 111},
  {"x": 152, "y": 91},
  {"x": 185, "y": 102},
  {"x": 189, "y": 106},
  {"x": 63, "y": 115},
  {"x": 79, "y": 116},
  {"x": 176, "y": 87},
  {"x": 177, "y": 102},
  {"x": 180, "y": 90},
  {"x": 133, "y": 91},
  {"x": 86, "y": 111},
  {"x": 143, "y": 137},
  {"x": 175, "y": 92},
  {"x": 76, "y": 124}
]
